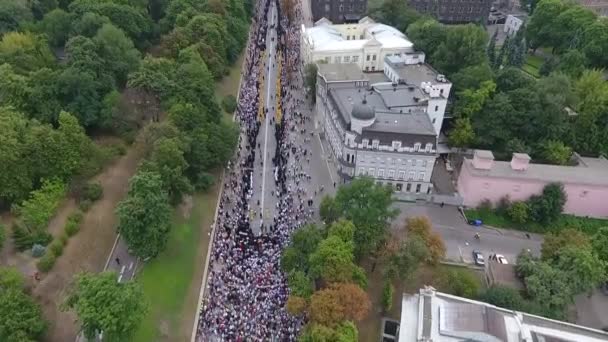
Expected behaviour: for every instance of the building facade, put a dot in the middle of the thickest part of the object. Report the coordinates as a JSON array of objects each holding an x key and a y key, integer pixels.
[
  {"x": 586, "y": 185},
  {"x": 339, "y": 11},
  {"x": 365, "y": 43},
  {"x": 454, "y": 12},
  {"x": 513, "y": 23},
  {"x": 380, "y": 129}
]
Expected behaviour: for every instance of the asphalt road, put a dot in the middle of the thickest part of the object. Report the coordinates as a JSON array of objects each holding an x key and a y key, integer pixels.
[{"x": 459, "y": 237}]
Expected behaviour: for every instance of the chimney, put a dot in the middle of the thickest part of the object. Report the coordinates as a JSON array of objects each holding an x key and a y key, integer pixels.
[
  {"x": 520, "y": 161},
  {"x": 483, "y": 160}
]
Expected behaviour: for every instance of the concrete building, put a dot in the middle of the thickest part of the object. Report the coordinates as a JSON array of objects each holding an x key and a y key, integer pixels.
[
  {"x": 513, "y": 23},
  {"x": 454, "y": 12},
  {"x": 599, "y": 6},
  {"x": 386, "y": 130},
  {"x": 365, "y": 43},
  {"x": 439, "y": 317},
  {"x": 586, "y": 184},
  {"x": 339, "y": 11}
]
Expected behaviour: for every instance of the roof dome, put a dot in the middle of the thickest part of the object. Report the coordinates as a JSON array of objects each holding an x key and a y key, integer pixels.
[{"x": 363, "y": 111}]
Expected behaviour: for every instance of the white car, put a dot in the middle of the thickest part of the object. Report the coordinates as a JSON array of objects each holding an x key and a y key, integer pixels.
[{"x": 501, "y": 259}]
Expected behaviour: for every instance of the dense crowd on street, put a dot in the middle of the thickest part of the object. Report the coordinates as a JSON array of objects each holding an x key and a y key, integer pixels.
[{"x": 245, "y": 291}]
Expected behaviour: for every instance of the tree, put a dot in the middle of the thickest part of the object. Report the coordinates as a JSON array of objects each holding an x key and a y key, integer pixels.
[
  {"x": 421, "y": 226},
  {"x": 346, "y": 331},
  {"x": 387, "y": 296},
  {"x": 491, "y": 50},
  {"x": 343, "y": 229},
  {"x": 462, "y": 135},
  {"x": 304, "y": 242},
  {"x": 88, "y": 24},
  {"x": 595, "y": 46},
  {"x": 570, "y": 237},
  {"x": 583, "y": 268},
  {"x": 463, "y": 283},
  {"x": 572, "y": 63},
  {"x": 117, "y": 52},
  {"x": 472, "y": 77},
  {"x": 471, "y": 101},
  {"x": 510, "y": 78},
  {"x": 599, "y": 242},
  {"x": 427, "y": 34},
  {"x": 465, "y": 45},
  {"x": 518, "y": 212},
  {"x": 404, "y": 263},
  {"x": 549, "y": 205},
  {"x": 551, "y": 287},
  {"x": 104, "y": 305},
  {"x": 333, "y": 260},
  {"x": 310, "y": 77},
  {"x": 366, "y": 204},
  {"x": 327, "y": 210},
  {"x": 15, "y": 174},
  {"x": 504, "y": 297},
  {"x": 295, "y": 305},
  {"x": 57, "y": 25},
  {"x": 300, "y": 284},
  {"x": 539, "y": 27},
  {"x": 396, "y": 13},
  {"x": 13, "y": 14},
  {"x": 145, "y": 214},
  {"x": 25, "y": 51},
  {"x": 338, "y": 303},
  {"x": 20, "y": 317},
  {"x": 167, "y": 160}
]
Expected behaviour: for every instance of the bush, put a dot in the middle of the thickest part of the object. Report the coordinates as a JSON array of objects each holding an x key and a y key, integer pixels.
[
  {"x": 38, "y": 250},
  {"x": 229, "y": 104},
  {"x": 71, "y": 228},
  {"x": 204, "y": 181},
  {"x": 504, "y": 297},
  {"x": 503, "y": 205},
  {"x": 46, "y": 263},
  {"x": 63, "y": 238},
  {"x": 463, "y": 283},
  {"x": 85, "y": 205},
  {"x": 56, "y": 248},
  {"x": 518, "y": 212},
  {"x": 92, "y": 192},
  {"x": 387, "y": 296},
  {"x": 485, "y": 205},
  {"x": 40, "y": 207},
  {"x": 76, "y": 216},
  {"x": 25, "y": 239},
  {"x": 2, "y": 235}
]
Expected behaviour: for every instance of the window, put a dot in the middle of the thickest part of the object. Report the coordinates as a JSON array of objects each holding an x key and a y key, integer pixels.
[
  {"x": 373, "y": 57},
  {"x": 361, "y": 37},
  {"x": 346, "y": 59},
  {"x": 327, "y": 8},
  {"x": 416, "y": 147},
  {"x": 341, "y": 8},
  {"x": 373, "y": 68},
  {"x": 399, "y": 187},
  {"x": 396, "y": 145},
  {"x": 391, "y": 173},
  {"x": 441, "y": 91},
  {"x": 434, "y": 120},
  {"x": 371, "y": 171},
  {"x": 411, "y": 175},
  {"x": 367, "y": 58},
  {"x": 401, "y": 174},
  {"x": 428, "y": 147},
  {"x": 361, "y": 171},
  {"x": 366, "y": 68},
  {"x": 436, "y": 108},
  {"x": 365, "y": 142},
  {"x": 408, "y": 187},
  {"x": 375, "y": 143},
  {"x": 380, "y": 173},
  {"x": 421, "y": 176},
  {"x": 355, "y": 59},
  {"x": 337, "y": 59},
  {"x": 418, "y": 186},
  {"x": 347, "y": 37},
  {"x": 424, "y": 163}
]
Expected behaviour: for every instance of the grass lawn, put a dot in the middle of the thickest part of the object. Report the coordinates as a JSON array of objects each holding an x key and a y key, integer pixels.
[
  {"x": 169, "y": 281},
  {"x": 369, "y": 328},
  {"x": 584, "y": 224}
]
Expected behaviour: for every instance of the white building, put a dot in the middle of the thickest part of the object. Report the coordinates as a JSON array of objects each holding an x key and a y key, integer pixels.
[
  {"x": 366, "y": 43},
  {"x": 440, "y": 317},
  {"x": 381, "y": 129},
  {"x": 513, "y": 23}
]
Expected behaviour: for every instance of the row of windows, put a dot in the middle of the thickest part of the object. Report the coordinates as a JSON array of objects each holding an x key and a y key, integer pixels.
[
  {"x": 346, "y": 59},
  {"x": 393, "y": 161},
  {"x": 373, "y": 57},
  {"x": 397, "y": 144},
  {"x": 353, "y": 37},
  {"x": 390, "y": 174}
]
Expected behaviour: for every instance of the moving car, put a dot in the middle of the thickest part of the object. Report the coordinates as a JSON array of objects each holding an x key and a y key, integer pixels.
[
  {"x": 501, "y": 259},
  {"x": 478, "y": 258}
]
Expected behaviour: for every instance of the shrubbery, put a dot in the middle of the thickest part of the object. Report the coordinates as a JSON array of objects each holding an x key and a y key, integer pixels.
[
  {"x": 46, "y": 263},
  {"x": 2, "y": 235},
  {"x": 92, "y": 192},
  {"x": 387, "y": 296},
  {"x": 229, "y": 104}
]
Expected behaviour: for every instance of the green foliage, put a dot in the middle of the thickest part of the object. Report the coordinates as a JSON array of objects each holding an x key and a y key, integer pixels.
[
  {"x": 38, "y": 250},
  {"x": 463, "y": 283},
  {"x": 103, "y": 304},
  {"x": 332, "y": 260},
  {"x": 40, "y": 207},
  {"x": 427, "y": 34},
  {"x": 300, "y": 284},
  {"x": 144, "y": 215},
  {"x": 85, "y": 205},
  {"x": 92, "y": 191},
  {"x": 25, "y": 51},
  {"x": 504, "y": 297},
  {"x": 46, "y": 263},
  {"x": 569, "y": 237},
  {"x": 555, "y": 152},
  {"x": 463, "y": 46},
  {"x": 582, "y": 266},
  {"x": 2, "y": 235},
  {"x": 20, "y": 317},
  {"x": 71, "y": 228},
  {"x": 462, "y": 135},
  {"x": 328, "y": 210},
  {"x": 57, "y": 25},
  {"x": 13, "y": 14},
  {"x": 387, "y": 296},
  {"x": 546, "y": 207},
  {"x": 24, "y": 239},
  {"x": 411, "y": 254},
  {"x": 396, "y": 13},
  {"x": 367, "y": 205},
  {"x": 56, "y": 248},
  {"x": 229, "y": 104},
  {"x": 518, "y": 212},
  {"x": 310, "y": 79},
  {"x": 304, "y": 241}
]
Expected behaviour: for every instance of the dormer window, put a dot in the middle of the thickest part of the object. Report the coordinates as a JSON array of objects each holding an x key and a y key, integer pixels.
[
  {"x": 416, "y": 147},
  {"x": 396, "y": 145},
  {"x": 375, "y": 143},
  {"x": 365, "y": 142},
  {"x": 428, "y": 148}
]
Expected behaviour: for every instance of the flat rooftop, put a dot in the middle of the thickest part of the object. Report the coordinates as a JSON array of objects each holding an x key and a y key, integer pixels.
[
  {"x": 340, "y": 72},
  {"x": 413, "y": 73}
]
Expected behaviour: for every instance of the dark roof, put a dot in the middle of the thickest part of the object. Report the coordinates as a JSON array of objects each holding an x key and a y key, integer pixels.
[{"x": 363, "y": 111}]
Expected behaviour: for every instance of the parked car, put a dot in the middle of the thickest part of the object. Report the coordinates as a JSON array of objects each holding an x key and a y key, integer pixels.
[
  {"x": 478, "y": 258},
  {"x": 501, "y": 259}
]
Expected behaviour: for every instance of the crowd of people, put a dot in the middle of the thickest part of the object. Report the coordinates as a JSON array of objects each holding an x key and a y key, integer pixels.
[{"x": 245, "y": 294}]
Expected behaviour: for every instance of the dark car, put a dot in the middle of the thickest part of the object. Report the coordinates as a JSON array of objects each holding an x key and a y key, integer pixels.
[{"x": 478, "y": 258}]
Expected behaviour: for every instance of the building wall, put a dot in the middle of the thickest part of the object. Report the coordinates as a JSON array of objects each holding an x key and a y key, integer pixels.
[
  {"x": 583, "y": 200},
  {"x": 454, "y": 12},
  {"x": 512, "y": 24},
  {"x": 336, "y": 10},
  {"x": 357, "y": 56}
]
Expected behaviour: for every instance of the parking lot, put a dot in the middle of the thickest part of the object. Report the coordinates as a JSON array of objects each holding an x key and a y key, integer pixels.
[{"x": 459, "y": 236}]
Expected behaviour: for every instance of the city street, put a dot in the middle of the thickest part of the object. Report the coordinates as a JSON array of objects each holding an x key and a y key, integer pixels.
[{"x": 459, "y": 237}]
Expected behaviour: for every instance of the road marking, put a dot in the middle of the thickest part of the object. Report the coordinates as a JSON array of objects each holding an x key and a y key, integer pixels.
[
  {"x": 266, "y": 116},
  {"x": 326, "y": 159}
]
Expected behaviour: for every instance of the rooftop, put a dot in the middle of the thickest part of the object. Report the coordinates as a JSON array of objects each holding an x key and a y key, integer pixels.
[
  {"x": 435, "y": 316},
  {"x": 414, "y": 73},
  {"x": 591, "y": 171},
  {"x": 340, "y": 72},
  {"x": 325, "y": 36}
]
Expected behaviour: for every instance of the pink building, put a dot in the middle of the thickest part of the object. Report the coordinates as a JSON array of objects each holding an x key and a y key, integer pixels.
[{"x": 585, "y": 184}]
